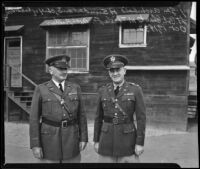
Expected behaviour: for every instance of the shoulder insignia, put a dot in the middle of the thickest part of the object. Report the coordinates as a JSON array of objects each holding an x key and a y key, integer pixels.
[
  {"x": 108, "y": 84},
  {"x": 134, "y": 84},
  {"x": 104, "y": 86}
]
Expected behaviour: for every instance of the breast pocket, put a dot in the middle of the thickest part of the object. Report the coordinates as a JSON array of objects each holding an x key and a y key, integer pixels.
[
  {"x": 46, "y": 105},
  {"x": 50, "y": 106},
  {"x": 105, "y": 103},
  {"x": 74, "y": 99},
  {"x": 128, "y": 100}
]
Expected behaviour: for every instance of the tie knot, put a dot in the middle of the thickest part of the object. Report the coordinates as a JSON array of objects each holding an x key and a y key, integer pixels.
[{"x": 61, "y": 88}]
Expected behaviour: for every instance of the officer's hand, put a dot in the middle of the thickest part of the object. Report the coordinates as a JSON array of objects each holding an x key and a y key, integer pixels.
[
  {"x": 82, "y": 145},
  {"x": 96, "y": 146},
  {"x": 139, "y": 149},
  {"x": 37, "y": 152}
]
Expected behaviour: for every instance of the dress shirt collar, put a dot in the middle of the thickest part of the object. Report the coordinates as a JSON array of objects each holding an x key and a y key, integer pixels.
[
  {"x": 57, "y": 84},
  {"x": 120, "y": 85}
]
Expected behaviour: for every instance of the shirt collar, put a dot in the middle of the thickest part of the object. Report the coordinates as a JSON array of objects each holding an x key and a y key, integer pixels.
[
  {"x": 57, "y": 84},
  {"x": 120, "y": 85}
]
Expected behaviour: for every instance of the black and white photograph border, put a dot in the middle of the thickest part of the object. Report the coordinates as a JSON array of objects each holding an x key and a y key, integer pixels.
[{"x": 165, "y": 140}]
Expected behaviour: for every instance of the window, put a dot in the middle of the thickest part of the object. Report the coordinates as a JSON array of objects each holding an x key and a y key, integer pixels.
[
  {"x": 132, "y": 30},
  {"x": 71, "y": 42},
  {"x": 69, "y": 36}
]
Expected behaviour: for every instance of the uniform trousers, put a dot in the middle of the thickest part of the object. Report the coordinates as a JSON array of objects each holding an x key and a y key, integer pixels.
[
  {"x": 125, "y": 159},
  {"x": 76, "y": 159}
]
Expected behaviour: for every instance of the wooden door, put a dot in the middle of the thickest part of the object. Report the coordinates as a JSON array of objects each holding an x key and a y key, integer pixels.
[{"x": 13, "y": 57}]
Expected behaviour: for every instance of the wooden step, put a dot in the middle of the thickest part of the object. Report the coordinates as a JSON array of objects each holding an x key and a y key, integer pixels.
[
  {"x": 23, "y": 93},
  {"x": 20, "y": 104},
  {"x": 24, "y": 98}
]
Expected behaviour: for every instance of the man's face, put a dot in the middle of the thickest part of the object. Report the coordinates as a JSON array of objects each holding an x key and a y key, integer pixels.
[
  {"x": 58, "y": 74},
  {"x": 117, "y": 74}
]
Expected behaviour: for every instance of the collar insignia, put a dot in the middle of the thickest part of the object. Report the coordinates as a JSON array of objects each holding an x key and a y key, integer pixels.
[{"x": 112, "y": 59}]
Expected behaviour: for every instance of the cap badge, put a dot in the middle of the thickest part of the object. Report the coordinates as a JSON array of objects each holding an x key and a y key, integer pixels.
[{"x": 112, "y": 59}]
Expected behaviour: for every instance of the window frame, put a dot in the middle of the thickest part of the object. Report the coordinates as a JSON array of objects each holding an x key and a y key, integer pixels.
[
  {"x": 87, "y": 52},
  {"x": 121, "y": 45}
]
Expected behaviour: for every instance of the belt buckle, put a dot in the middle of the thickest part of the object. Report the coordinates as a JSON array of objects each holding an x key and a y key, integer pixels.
[
  {"x": 115, "y": 120},
  {"x": 64, "y": 124}
]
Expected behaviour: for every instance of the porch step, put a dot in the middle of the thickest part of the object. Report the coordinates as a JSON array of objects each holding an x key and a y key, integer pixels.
[
  {"x": 192, "y": 105},
  {"x": 23, "y": 99}
]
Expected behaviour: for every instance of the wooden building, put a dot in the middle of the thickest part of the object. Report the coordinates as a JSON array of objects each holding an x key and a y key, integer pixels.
[{"x": 155, "y": 39}]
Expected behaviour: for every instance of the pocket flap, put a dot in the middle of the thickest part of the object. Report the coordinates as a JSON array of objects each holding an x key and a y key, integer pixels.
[
  {"x": 73, "y": 97},
  {"x": 128, "y": 98},
  {"x": 45, "y": 99},
  {"x": 104, "y": 128},
  {"x": 128, "y": 128},
  {"x": 104, "y": 99}
]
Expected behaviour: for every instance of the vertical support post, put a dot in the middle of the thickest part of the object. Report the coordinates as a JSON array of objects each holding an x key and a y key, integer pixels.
[
  {"x": 7, "y": 105},
  {"x": 9, "y": 77}
]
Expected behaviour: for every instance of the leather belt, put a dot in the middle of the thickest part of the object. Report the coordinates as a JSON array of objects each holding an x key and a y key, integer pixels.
[
  {"x": 115, "y": 120},
  {"x": 63, "y": 123}
]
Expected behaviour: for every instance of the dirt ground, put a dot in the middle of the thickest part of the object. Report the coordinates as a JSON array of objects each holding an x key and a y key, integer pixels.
[{"x": 161, "y": 146}]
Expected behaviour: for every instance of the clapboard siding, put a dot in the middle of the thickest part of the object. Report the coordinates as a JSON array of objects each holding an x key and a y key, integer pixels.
[
  {"x": 166, "y": 48},
  {"x": 165, "y": 91}
]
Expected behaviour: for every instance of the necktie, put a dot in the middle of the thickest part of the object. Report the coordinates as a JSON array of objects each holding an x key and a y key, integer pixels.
[
  {"x": 116, "y": 91},
  {"x": 61, "y": 88}
]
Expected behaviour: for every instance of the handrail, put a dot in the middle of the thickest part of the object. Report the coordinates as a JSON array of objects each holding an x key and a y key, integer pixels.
[{"x": 33, "y": 83}]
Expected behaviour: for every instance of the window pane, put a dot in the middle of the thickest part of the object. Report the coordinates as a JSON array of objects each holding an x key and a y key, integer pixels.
[
  {"x": 73, "y": 63},
  {"x": 84, "y": 63},
  {"x": 53, "y": 52},
  {"x": 129, "y": 36},
  {"x": 79, "y": 63},
  {"x": 140, "y": 36},
  {"x": 79, "y": 38},
  {"x": 133, "y": 36},
  {"x": 14, "y": 43},
  {"x": 60, "y": 42},
  {"x": 78, "y": 56},
  {"x": 52, "y": 39},
  {"x": 62, "y": 38}
]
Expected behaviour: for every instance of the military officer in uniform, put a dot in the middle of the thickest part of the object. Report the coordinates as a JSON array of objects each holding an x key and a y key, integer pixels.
[
  {"x": 116, "y": 137},
  {"x": 58, "y": 125}
]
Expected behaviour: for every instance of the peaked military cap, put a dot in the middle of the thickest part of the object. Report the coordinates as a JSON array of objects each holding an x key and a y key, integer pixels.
[
  {"x": 58, "y": 61},
  {"x": 115, "y": 61}
]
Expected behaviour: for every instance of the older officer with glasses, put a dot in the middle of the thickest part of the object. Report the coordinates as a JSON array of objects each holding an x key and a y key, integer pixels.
[
  {"x": 116, "y": 137},
  {"x": 58, "y": 125}
]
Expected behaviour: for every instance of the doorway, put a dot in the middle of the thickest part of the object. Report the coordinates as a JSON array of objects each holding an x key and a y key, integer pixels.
[{"x": 13, "y": 57}]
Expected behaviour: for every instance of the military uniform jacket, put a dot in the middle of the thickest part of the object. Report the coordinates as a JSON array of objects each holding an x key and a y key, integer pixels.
[
  {"x": 120, "y": 139},
  {"x": 57, "y": 143}
]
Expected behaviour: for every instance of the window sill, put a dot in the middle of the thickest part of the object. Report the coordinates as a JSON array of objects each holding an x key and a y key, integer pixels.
[
  {"x": 77, "y": 72},
  {"x": 132, "y": 46},
  {"x": 161, "y": 67}
]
